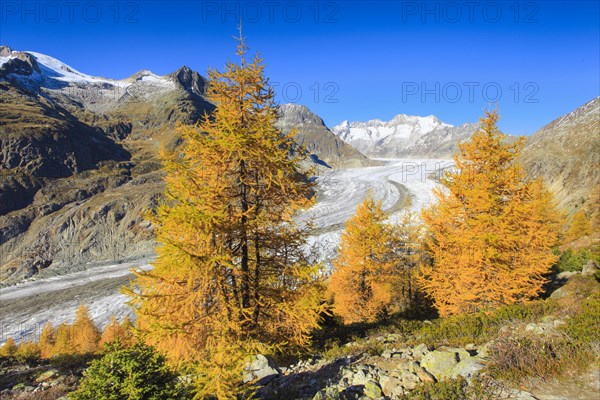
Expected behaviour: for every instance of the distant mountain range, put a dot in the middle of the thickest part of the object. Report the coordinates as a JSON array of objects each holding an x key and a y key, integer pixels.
[
  {"x": 404, "y": 136},
  {"x": 79, "y": 156}
]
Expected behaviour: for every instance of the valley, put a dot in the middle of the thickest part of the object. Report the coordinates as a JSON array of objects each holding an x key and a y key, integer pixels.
[{"x": 400, "y": 184}]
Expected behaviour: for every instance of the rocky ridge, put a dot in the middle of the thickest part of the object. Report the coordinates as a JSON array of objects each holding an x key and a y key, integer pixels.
[
  {"x": 79, "y": 159},
  {"x": 404, "y": 136}
]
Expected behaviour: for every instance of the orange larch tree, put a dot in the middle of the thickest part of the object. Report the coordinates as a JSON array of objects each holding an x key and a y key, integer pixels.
[
  {"x": 580, "y": 226},
  {"x": 47, "y": 340},
  {"x": 113, "y": 332},
  {"x": 85, "y": 335},
  {"x": 491, "y": 231},
  {"x": 372, "y": 276},
  {"x": 9, "y": 348},
  {"x": 64, "y": 340},
  {"x": 231, "y": 277}
]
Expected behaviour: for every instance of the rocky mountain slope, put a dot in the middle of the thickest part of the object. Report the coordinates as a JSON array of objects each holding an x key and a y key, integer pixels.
[
  {"x": 79, "y": 159},
  {"x": 318, "y": 139},
  {"x": 566, "y": 154},
  {"x": 404, "y": 136}
]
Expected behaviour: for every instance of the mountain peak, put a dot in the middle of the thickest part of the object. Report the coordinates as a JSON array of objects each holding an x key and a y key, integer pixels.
[
  {"x": 294, "y": 114},
  {"x": 189, "y": 79},
  {"x": 17, "y": 63},
  {"x": 5, "y": 51},
  {"x": 143, "y": 73},
  {"x": 403, "y": 135}
]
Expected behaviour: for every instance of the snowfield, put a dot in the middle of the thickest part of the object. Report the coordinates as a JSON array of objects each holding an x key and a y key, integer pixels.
[{"x": 28, "y": 306}]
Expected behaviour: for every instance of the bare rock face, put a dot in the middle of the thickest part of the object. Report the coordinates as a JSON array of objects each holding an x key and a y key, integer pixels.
[
  {"x": 314, "y": 135},
  {"x": 79, "y": 159},
  {"x": 20, "y": 64},
  {"x": 566, "y": 154},
  {"x": 189, "y": 80}
]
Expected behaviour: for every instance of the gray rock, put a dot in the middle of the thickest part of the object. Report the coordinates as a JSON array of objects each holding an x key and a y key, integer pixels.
[
  {"x": 440, "y": 363},
  {"x": 425, "y": 376},
  {"x": 413, "y": 367},
  {"x": 467, "y": 368},
  {"x": 484, "y": 350},
  {"x": 47, "y": 376},
  {"x": 261, "y": 369},
  {"x": 391, "y": 386},
  {"x": 372, "y": 390},
  {"x": 590, "y": 268},
  {"x": 329, "y": 393},
  {"x": 410, "y": 380},
  {"x": 419, "y": 351}
]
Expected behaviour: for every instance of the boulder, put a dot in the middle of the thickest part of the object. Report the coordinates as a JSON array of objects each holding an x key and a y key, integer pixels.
[
  {"x": 410, "y": 380},
  {"x": 47, "y": 376},
  {"x": 484, "y": 350},
  {"x": 391, "y": 386},
  {"x": 467, "y": 368},
  {"x": 261, "y": 369},
  {"x": 440, "y": 363},
  {"x": 419, "y": 351},
  {"x": 372, "y": 390},
  {"x": 425, "y": 376},
  {"x": 590, "y": 268}
]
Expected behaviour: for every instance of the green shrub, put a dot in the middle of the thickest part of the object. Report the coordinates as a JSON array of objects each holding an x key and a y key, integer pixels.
[
  {"x": 458, "y": 389},
  {"x": 131, "y": 373},
  {"x": 570, "y": 260},
  {"x": 480, "y": 327},
  {"x": 517, "y": 357},
  {"x": 584, "y": 326}
]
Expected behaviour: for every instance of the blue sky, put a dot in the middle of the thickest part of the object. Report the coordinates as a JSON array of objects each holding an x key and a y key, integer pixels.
[{"x": 354, "y": 60}]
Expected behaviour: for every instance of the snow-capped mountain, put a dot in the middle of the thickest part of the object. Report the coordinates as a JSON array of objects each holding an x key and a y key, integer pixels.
[
  {"x": 79, "y": 158},
  {"x": 404, "y": 136},
  {"x": 41, "y": 73}
]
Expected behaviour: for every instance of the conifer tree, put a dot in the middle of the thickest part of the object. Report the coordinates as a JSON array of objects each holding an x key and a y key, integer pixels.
[
  {"x": 47, "y": 340},
  {"x": 9, "y": 348},
  {"x": 580, "y": 227},
  {"x": 85, "y": 333},
  {"x": 28, "y": 351},
  {"x": 128, "y": 330},
  {"x": 231, "y": 277},
  {"x": 373, "y": 273},
  {"x": 491, "y": 231},
  {"x": 113, "y": 332},
  {"x": 64, "y": 340}
]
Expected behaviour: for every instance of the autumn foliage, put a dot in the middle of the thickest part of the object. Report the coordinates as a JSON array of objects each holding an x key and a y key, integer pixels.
[
  {"x": 115, "y": 332},
  {"x": 580, "y": 226},
  {"x": 372, "y": 276},
  {"x": 231, "y": 277},
  {"x": 491, "y": 232},
  {"x": 9, "y": 348},
  {"x": 85, "y": 335},
  {"x": 82, "y": 337}
]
